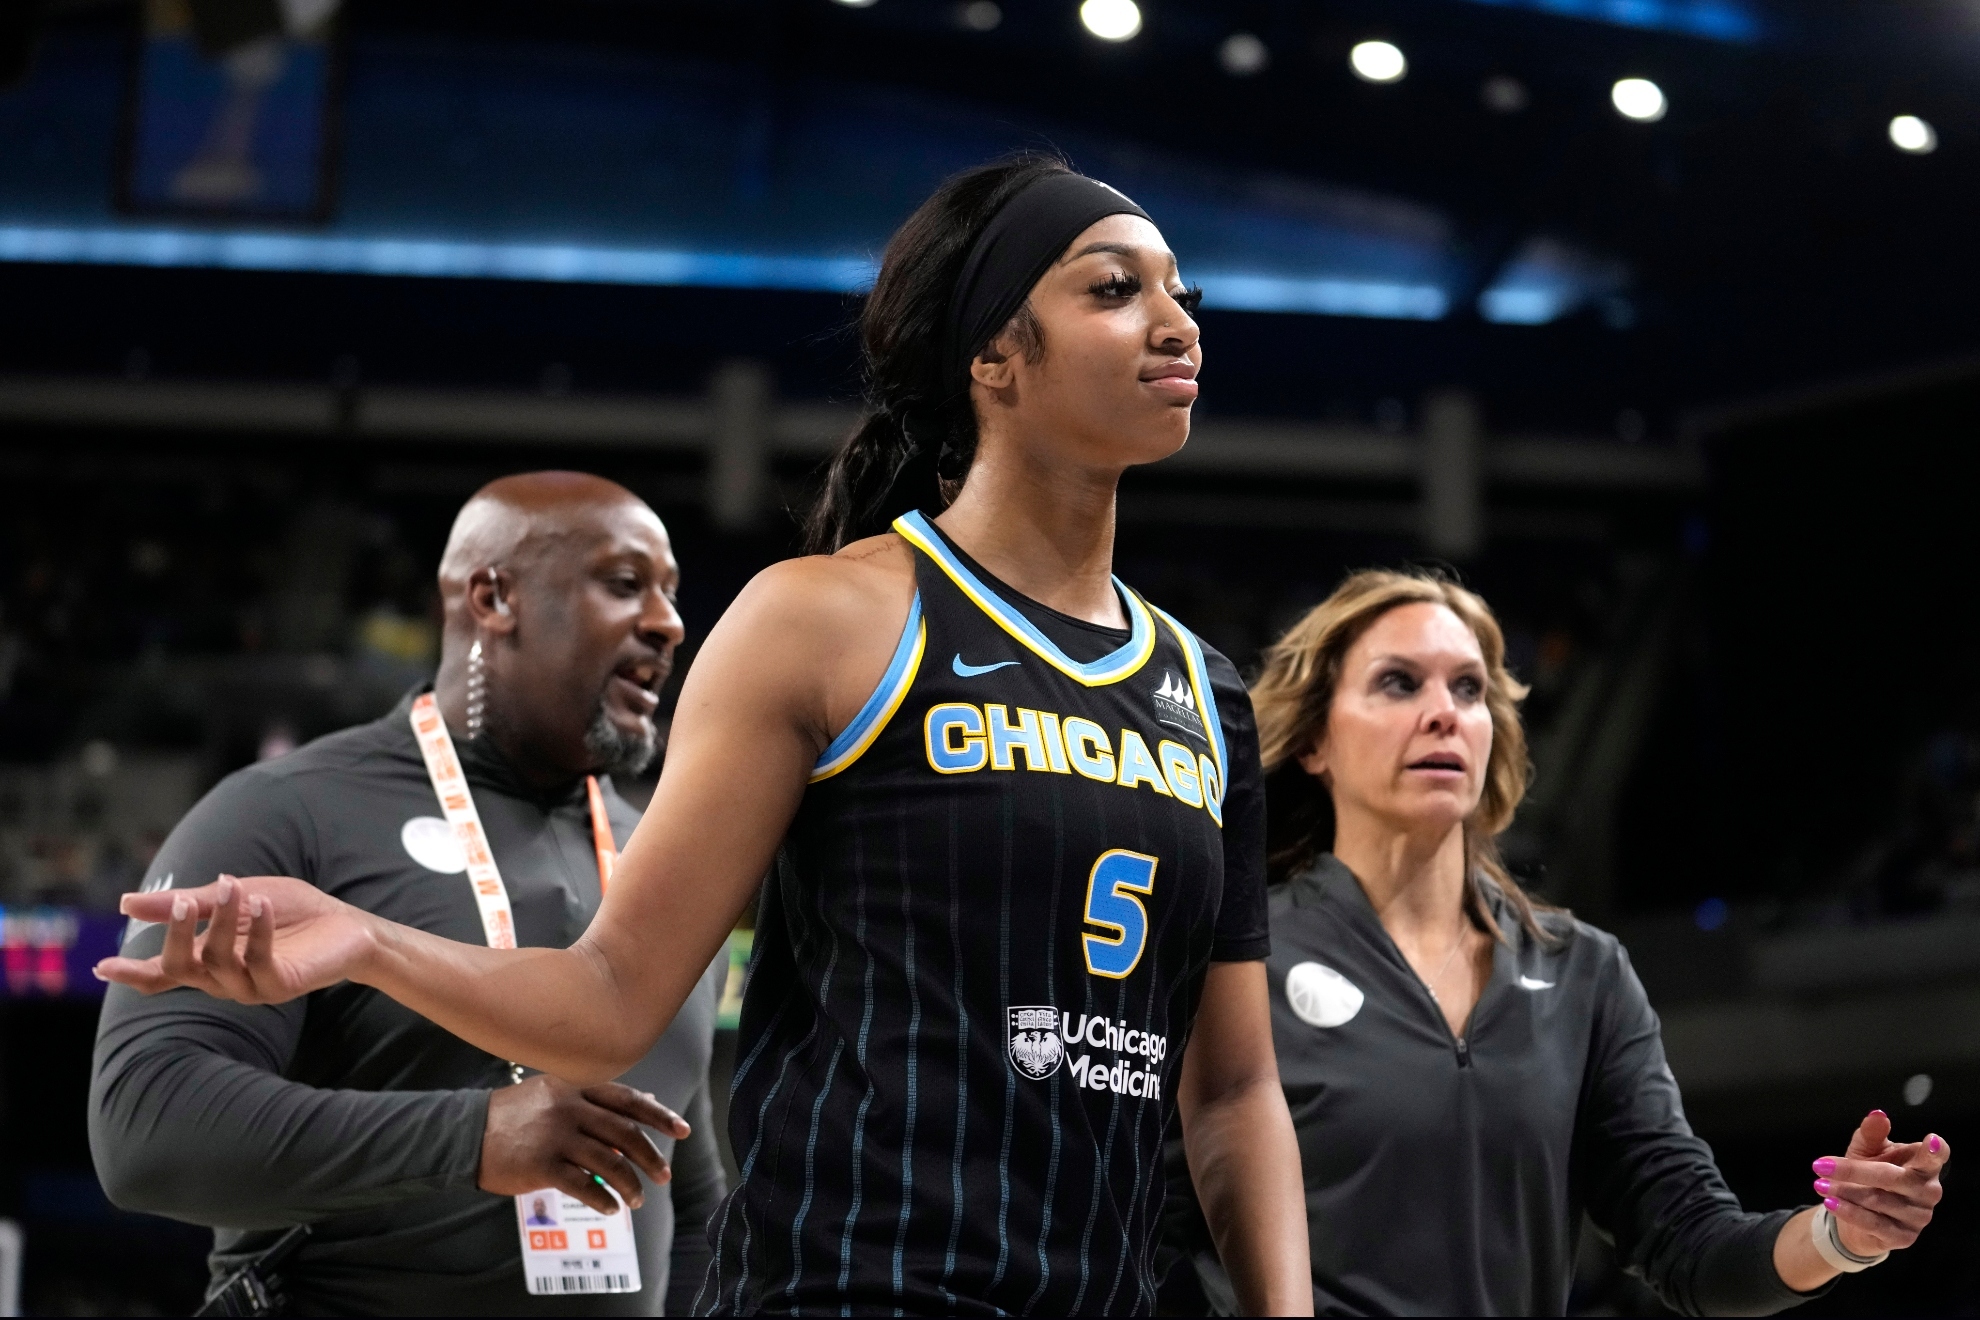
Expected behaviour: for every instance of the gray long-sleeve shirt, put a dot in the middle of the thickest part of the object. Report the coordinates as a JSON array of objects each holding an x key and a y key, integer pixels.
[
  {"x": 1447, "y": 1175},
  {"x": 345, "y": 1110}
]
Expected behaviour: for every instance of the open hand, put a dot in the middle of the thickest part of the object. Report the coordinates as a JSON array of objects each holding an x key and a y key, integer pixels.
[
  {"x": 269, "y": 939},
  {"x": 1882, "y": 1193},
  {"x": 544, "y": 1132}
]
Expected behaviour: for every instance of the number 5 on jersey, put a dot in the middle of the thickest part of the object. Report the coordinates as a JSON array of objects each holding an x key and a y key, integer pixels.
[{"x": 1111, "y": 903}]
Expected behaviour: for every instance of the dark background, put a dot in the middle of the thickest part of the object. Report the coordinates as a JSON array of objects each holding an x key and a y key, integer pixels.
[{"x": 1741, "y": 597}]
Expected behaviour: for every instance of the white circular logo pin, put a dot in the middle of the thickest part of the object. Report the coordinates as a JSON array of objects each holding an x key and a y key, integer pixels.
[
  {"x": 1321, "y": 996},
  {"x": 432, "y": 843}
]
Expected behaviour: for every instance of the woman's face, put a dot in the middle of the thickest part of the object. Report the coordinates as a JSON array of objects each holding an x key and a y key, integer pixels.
[
  {"x": 1118, "y": 373},
  {"x": 1409, "y": 734}
]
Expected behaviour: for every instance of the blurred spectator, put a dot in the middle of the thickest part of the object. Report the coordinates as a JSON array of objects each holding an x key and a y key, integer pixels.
[{"x": 1930, "y": 858}]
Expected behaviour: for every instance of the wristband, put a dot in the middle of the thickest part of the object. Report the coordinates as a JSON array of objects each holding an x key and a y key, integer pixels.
[{"x": 1828, "y": 1245}]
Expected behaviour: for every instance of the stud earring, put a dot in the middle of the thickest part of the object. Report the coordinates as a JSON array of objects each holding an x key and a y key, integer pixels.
[{"x": 477, "y": 691}]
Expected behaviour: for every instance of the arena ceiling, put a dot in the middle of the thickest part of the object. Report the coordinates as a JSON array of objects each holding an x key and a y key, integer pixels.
[{"x": 1765, "y": 230}]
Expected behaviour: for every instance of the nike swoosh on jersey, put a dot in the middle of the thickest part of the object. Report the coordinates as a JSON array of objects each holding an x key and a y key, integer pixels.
[
  {"x": 1532, "y": 983},
  {"x": 971, "y": 671}
]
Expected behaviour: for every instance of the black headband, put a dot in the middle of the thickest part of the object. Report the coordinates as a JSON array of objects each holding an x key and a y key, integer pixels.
[{"x": 1013, "y": 253}]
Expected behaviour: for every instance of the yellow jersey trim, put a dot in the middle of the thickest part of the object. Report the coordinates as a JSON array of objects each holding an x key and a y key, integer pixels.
[
  {"x": 1123, "y": 663},
  {"x": 873, "y": 717}
]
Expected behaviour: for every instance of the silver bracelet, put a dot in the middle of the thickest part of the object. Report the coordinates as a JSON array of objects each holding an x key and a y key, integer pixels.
[{"x": 1828, "y": 1245}]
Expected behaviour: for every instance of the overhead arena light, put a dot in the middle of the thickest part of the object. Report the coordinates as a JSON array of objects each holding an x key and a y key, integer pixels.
[
  {"x": 1504, "y": 94},
  {"x": 1243, "y": 54},
  {"x": 1377, "y": 62},
  {"x": 1914, "y": 136},
  {"x": 1639, "y": 99},
  {"x": 855, "y": 4},
  {"x": 1111, "y": 20}
]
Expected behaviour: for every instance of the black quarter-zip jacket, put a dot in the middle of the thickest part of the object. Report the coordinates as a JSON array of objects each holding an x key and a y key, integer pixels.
[
  {"x": 1447, "y": 1175},
  {"x": 343, "y": 1109}
]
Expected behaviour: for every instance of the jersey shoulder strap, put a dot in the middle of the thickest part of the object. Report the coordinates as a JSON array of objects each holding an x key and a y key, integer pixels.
[{"x": 892, "y": 689}]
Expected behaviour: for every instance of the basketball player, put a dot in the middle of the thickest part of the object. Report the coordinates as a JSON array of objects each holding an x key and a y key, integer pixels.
[
  {"x": 1471, "y": 1071},
  {"x": 1017, "y": 914}
]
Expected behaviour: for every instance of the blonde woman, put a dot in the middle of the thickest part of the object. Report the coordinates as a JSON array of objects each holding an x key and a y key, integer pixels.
[{"x": 1468, "y": 1070}]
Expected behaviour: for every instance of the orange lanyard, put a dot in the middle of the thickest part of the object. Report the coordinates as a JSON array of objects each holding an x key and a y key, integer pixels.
[
  {"x": 602, "y": 841},
  {"x": 443, "y": 768}
]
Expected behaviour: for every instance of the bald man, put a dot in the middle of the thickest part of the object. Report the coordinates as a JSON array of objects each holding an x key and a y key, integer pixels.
[{"x": 401, "y": 1146}]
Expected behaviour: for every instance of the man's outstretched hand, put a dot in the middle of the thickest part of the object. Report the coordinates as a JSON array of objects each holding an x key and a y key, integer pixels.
[
  {"x": 268, "y": 939},
  {"x": 547, "y": 1133}
]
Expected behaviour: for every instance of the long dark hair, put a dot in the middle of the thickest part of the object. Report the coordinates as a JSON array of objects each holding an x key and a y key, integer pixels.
[{"x": 915, "y": 444}]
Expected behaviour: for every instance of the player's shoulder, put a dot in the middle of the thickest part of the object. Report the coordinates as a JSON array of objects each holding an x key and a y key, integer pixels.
[
  {"x": 1225, "y": 679},
  {"x": 1224, "y": 675},
  {"x": 1213, "y": 659},
  {"x": 863, "y": 585}
]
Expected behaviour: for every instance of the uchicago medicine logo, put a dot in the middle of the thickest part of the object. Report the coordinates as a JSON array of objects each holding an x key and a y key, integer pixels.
[
  {"x": 1041, "y": 1038},
  {"x": 1035, "y": 1047}
]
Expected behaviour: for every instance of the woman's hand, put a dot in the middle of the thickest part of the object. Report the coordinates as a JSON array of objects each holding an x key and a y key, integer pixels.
[
  {"x": 269, "y": 939},
  {"x": 1882, "y": 1193}
]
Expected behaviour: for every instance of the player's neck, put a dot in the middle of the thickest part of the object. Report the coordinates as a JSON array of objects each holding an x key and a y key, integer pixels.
[{"x": 1045, "y": 528}]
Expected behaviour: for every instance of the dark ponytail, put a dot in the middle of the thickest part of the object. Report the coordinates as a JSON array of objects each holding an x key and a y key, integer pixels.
[{"x": 915, "y": 445}]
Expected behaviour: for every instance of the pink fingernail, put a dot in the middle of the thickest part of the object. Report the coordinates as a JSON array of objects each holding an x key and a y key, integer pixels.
[
  {"x": 1824, "y": 1186},
  {"x": 97, "y": 974},
  {"x": 1831, "y": 1202},
  {"x": 254, "y": 906},
  {"x": 1825, "y": 1166},
  {"x": 181, "y": 909},
  {"x": 1932, "y": 1144},
  {"x": 1878, "y": 1113}
]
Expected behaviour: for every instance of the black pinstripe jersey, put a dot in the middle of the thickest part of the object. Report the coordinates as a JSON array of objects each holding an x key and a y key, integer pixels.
[{"x": 977, "y": 963}]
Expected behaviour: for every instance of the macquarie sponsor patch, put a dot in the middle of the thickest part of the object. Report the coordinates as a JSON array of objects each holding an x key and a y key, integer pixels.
[{"x": 1175, "y": 705}]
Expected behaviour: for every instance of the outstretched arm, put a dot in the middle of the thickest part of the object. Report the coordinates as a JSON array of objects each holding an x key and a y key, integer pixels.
[
  {"x": 1243, "y": 1156},
  {"x": 1655, "y": 1188},
  {"x": 790, "y": 662}
]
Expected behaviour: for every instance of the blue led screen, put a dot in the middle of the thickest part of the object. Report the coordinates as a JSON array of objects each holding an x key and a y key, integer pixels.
[
  {"x": 1714, "y": 20},
  {"x": 244, "y": 135}
]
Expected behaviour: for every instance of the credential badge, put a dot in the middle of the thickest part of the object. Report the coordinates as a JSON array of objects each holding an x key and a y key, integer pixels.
[{"x": 1036, "y": 1049}]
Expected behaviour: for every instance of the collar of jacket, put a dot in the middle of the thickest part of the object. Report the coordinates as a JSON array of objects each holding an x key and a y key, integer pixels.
[{"x": 1328, "y": 882}]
